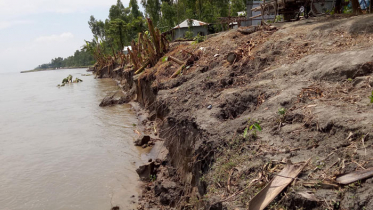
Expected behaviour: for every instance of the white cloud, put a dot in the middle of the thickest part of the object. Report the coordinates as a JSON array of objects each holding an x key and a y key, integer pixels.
[
  {"x": 40, "y": 51},
  {"x": 55, "y": 38},
  {"x": 7, "y": 24}
]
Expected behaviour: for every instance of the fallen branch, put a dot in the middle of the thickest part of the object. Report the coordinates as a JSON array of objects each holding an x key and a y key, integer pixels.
[
  {"x": 177, "y": 72},
  {"x": 188, "y": 62}
]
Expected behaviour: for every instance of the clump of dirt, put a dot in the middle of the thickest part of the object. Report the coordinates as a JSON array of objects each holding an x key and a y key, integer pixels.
[{"x": 298, "y": 92}]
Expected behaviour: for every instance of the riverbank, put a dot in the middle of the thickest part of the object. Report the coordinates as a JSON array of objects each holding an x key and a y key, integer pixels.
[
  {"x": 37, "y": 70},
  {"x": 294, "y": 92}
]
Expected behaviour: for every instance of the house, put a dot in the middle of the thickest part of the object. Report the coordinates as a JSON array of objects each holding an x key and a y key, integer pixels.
[
  {"x": 197, "y": 27},
  {"x": 235, "y": 25},
  {"x": 125, "y": 49},
  {"x": 250, "y": 14}
]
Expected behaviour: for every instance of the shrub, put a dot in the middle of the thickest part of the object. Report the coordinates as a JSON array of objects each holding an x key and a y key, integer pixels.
[
  {"x": 189, "y": 35},
  {"x": 199, "y": 39}
]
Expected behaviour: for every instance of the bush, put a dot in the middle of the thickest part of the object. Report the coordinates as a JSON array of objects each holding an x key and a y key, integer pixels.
[
  {"x": 199, "y": 39},
  {"x": 189, "y": 35}
]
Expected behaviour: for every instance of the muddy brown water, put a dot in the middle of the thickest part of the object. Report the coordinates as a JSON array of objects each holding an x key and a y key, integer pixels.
[{"x": 60, "y": 150}]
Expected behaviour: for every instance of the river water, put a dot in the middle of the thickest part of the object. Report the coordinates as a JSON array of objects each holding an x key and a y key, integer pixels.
[{"x": 59, "y": 150}]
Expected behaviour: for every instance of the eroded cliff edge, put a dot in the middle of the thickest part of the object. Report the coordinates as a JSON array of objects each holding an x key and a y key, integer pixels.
[{"x": 297, "y": 92}]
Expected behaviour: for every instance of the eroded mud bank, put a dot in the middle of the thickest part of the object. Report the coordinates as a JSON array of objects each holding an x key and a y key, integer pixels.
[{"x": 307, "y": 84}]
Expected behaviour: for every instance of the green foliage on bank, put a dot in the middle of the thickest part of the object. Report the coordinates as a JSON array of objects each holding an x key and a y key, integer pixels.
[
  {"x": 125, "y": 23},
  {"x": 168, "y": 13},
  {"x": 79, "y": 59}
]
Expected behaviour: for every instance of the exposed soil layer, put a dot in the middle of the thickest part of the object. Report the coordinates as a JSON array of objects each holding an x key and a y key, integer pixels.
[{"x": 306, "y": 84}]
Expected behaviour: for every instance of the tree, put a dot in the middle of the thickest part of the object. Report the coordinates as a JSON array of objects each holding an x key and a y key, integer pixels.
[
  {"x": 135, "y": 12},
  {"x": 116, "y": 11},
  {"x": 97, "y": 27},
  {"x": 168, "y": 16},
  {"x": 356, "y": 7},
  {"x": 152, "y": 9},
  {"x": 117, "y": 31},
  {"x": 237, "y": 6}
]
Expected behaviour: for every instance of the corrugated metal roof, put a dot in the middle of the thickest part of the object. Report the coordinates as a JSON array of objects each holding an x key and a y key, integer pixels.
[{"x": 184, "y": 24}]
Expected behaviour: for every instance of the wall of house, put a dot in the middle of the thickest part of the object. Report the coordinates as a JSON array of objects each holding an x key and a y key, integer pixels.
[
  {"x": 180, "y": 32},
  {"x": 249, "y": 13}
]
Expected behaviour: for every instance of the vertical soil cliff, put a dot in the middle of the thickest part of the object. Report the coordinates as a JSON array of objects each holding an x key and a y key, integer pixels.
[{"x": 296, "y": 92}]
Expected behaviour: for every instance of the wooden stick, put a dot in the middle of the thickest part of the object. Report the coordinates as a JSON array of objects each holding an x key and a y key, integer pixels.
[
  {"x": 176, "y": 60},
  {"x": 188, "y": 52},
  {"x": 255, "y": 16},
  {"x": 142, "y": 68},
  {"x": 177, "y": 72}
]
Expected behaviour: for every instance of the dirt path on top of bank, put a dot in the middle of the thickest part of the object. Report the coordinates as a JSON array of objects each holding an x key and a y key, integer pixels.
[{"x": 298, "y": 92}]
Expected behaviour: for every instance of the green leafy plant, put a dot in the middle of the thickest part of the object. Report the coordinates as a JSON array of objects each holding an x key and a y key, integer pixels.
[
  {"x": 245, "y": 132},
  {"x": 347, "y": 10},
  {"x": 189, "y": 35},
  {"x": 279, "y": 18},
  {"x": 153, "y": 178},
  {"x": 254, "y": 128},
  {"x": 282, "y": 111},
  {"x": 164, "y": 59},
  {"x": 199, "y": 39},
  {"x": 371, "y": 97}
]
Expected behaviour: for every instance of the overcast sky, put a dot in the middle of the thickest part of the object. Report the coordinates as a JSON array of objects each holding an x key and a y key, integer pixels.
[{"x": 32, "y": 32}]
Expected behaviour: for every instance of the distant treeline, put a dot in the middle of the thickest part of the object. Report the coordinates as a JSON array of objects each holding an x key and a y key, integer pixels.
[
  {"x": 79, "y": 59},
  {"x": 124, "y": 24}
]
